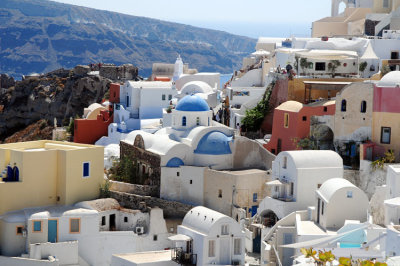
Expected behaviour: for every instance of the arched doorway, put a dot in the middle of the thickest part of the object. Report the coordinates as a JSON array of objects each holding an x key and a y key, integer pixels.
[
  {"x": 269, "y": 218},
  {"x": 323, "y": 136}
]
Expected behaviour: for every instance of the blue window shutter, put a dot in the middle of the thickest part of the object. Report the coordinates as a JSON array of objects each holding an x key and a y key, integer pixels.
[
  {"x": 85, "y": 169},
  {"x": 37, "y": 226}
]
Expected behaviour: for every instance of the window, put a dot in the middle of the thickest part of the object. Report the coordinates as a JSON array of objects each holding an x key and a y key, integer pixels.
[
  {"x": 219, "y": 193},
  {"x": 155, "y": 237},
  {"x": 74, "y": 226},
  {"x": 304, "y": 118},
  {"x": 349, "y": 194},
  {"x": 284, "y": 162},
  {"x": 394, "y": 55},
  {"x": 291, "y": 188},
  {"x": 37, "y": 226},
  {"x": 177, "y": 173},
  {"x": 224, "y": 230},
  {"x": 86, "y": 169},
  {"x": 325, "y": 109},
  {"x": 103, "y": 220},
  {"x": 385, "y": 135},
  {"x": 125, "y": 219},
  {"x": 363, "y": 107},
  {"x": 286, "y": 122},
  {"x": 184, "y": 121},
  {"x": 319, "y": 185},
  {"x": 191, "y": 181},
  {"x": 320, "y": 66},
  {"x": 19, "y": 230},
  {"x": 198, "y": 121},
  {"x": 127, "y": 100},
  {"x": 254, "y": 197},
  {"x": 385, "y": 3},
  {"x": 163, "y": 97},
  {"x": 344, "y": 105},
  {"x": 237, "y": 246},
  {"x": 276, "y": 188},
  {"x": 322, "y": 208},
  {"x": 211, "y": 248},
  {"x": 169, "y": 97}
]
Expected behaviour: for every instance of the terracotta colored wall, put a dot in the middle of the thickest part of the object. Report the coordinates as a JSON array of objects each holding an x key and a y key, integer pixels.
[
  {"x": 297, "y": 129},
  {"x": 89, "y": 131},
  {"x": 279, "y": 96},
  {"x": 386, "y": 100},
  {"x": 114, "y": 92}
]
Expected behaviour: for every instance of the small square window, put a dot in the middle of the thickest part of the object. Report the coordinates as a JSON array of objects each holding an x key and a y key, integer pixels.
[
  {"x": 86, "y": 169},
  {"x": 304, "y": 118},
  {"x": 155, "y": 237},
  {"x": 37, "y": 226},
  {"x": 74, "y": 225},
  {"x": 319, "y": 185},
  {"x": 170, "y": 97},
  {"x": 254, "y": 197},
  {"x": 325, "y": 109},
  {"x": 103, "y": 220},
  {"x": 191, "y": 181},
  {"x": 19, "y": 230},
  {"x": 350, "y": 194},
  {"x": 125, "y": 219},
  {"x": 177, "y": 173},
  {"x": 163, "y": 97}
]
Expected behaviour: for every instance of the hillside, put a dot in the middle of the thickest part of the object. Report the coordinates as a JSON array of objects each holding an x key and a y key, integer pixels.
[{"x": 37, "y": 36}]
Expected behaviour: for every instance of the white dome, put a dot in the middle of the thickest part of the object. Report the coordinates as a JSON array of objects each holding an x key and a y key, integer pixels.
[
  {"x": 194, "y": 87},
  {"x": 391, "y": 79}
]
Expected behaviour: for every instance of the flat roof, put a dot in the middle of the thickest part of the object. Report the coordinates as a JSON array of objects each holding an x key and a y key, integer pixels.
[
  {"x": 146, "y": 257},
  {"x": 328, "y": 82}
]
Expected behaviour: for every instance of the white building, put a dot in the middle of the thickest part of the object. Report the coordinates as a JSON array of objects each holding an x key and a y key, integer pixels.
[
  {"x": 296, "y": 175},
  {"x": 100, "y": 228},
  {"x": 205, "y": 237},
  {"x": 217, "y": 238},
  {"x": 337, "y": 223}
]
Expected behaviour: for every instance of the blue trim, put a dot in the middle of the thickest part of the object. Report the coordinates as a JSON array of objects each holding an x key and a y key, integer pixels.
[{"x": 175, "y": 162}]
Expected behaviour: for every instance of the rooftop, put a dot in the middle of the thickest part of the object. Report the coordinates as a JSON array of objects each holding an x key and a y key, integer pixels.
[
  {"x": 43, "y": 145},
  {"x": 146, "y": 257}
]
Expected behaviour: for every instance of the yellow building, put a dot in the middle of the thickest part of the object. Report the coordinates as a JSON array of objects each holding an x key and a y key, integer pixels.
[{"x": 49, "y": 173}]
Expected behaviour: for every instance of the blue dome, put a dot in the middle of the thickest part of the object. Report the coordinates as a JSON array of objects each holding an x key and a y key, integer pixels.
[
  {"x": 175, "y": 162},
  {"x": 192, "y": 103},
  {"x": 214, "y": 143}
]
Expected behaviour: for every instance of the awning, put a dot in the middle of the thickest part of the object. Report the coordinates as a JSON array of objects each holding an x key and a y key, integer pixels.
[
  {"x": 180, "y": 238},
  {"x": 274, "y": 183}
]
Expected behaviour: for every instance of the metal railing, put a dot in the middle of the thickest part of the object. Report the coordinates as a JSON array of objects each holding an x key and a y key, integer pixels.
[{"x": 182, "y": 257}]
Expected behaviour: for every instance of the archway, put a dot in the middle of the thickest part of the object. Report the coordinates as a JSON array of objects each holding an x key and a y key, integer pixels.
[
  {"x": 323, "y": 136},
  {"x": 269, "y": 218}
]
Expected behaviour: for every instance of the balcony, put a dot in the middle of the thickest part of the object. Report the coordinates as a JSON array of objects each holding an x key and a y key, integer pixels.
[{"x": 183, "y": 258}]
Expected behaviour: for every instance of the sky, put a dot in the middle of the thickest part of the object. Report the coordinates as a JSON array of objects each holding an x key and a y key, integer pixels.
[{"x": 253, "y": 18}]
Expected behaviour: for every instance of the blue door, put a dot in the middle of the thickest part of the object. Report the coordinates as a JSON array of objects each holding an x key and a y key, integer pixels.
[
  {"x": 52, "y": 232},
  {"x": 254, "y": 210}
]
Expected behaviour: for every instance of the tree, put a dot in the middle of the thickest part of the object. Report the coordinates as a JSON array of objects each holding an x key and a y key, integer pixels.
[
  {"x": 332, "y": 66},
  {"x": 362, "y": 66}
]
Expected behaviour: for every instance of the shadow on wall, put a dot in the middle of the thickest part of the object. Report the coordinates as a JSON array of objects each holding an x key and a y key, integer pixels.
[{"x": 251, "y": 154}]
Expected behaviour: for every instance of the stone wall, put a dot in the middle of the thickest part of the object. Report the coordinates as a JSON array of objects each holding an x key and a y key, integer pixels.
[
  {"x": 367, "y": 178},
  {"x": 144, "y": 158},
  {"x": 123, "y": 72},
  {"x": 135, "y": 189},
  {"x": 6, "y": 81},
  {"x": 172, "y": 209}
]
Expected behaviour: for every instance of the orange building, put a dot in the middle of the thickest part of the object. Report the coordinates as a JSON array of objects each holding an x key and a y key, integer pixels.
[
  {"x": 88, "y": 131},
  {"x": 292, "y": 122}
]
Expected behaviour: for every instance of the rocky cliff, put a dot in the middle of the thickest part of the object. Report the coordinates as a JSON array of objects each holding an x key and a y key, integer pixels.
[
  {"x": 59, "y": 94},
  {"x": 39, "y": 36}
]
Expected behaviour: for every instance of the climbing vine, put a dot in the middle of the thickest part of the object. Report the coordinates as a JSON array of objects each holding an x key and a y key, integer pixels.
[{"x": 255, "y": 117}]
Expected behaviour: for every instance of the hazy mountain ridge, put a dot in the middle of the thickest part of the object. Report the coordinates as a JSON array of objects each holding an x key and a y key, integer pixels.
[{"x": 39, "y": 36}]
